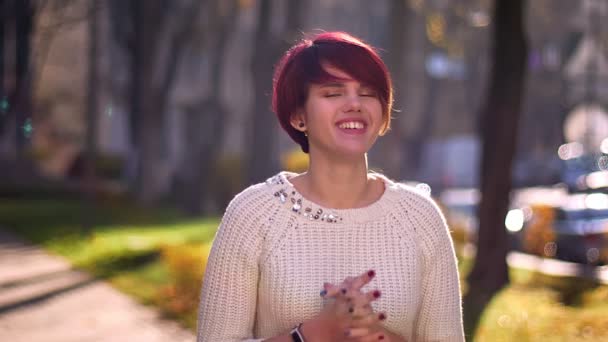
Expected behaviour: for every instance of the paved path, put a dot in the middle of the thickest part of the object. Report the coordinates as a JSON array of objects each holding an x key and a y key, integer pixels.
[{"x": 42, "y": 299}]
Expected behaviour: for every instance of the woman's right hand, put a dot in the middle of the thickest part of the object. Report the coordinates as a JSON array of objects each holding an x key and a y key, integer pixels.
[{"x": 348, "y": 314}]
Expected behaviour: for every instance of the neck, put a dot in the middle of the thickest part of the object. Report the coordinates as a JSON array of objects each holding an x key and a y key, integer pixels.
[{"x": 337, "y": 183}]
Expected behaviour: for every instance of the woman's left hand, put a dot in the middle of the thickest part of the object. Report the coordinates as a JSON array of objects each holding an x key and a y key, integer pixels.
[{"x": 366, "y": 324}]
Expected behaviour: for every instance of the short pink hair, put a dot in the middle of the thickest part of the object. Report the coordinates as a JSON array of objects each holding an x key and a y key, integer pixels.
[{"x": 301, "y": 66}]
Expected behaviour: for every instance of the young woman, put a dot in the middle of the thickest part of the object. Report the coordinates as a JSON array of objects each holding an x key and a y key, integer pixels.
[{"x": 293, "y": 256}]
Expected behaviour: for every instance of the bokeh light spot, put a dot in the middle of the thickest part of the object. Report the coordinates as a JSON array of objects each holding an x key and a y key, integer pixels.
[
  {"x": 550, "y": 249},
  {"x": 504, "y": 321},
  {"x": 4, "y": 105},
  {"x": 479, "y": 18},
  {"x": 602, "y": 162},
  {"x": 515, "y": 220},
  {"x": 28, "y": 128},
  {"x": 587, "y": 332},
  {"x": 596, "y": 201},
  {"x": 593, "y": 255},
  {"x": 604, "y": 146}
]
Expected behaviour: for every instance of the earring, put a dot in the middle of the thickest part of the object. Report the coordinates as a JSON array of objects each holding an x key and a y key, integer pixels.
[{"x": 301, "y": 124}]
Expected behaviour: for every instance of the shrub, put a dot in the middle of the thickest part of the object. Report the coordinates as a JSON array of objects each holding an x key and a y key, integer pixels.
[
  {"x": 186, "y": 266},
  {"x": 295, "y": 161}
]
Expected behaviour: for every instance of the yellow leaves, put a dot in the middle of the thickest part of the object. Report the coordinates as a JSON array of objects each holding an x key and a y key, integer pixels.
[
  {"x": 295, "y": 161},
  {"x": 539, "y": 237},
  {"x": 435, "y": 29},
  {"x": 186, "y": 265}
]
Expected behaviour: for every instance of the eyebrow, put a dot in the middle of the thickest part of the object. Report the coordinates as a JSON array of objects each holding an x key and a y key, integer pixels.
[
  {"x": 332, "y": 85},
  {"x": 341, "y": 85}
]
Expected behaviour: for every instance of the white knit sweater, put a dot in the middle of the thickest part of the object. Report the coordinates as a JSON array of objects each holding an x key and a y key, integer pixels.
[{"x": 275, "y": 249}]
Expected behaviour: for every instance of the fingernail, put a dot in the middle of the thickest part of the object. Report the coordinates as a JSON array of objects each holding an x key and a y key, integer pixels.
[
  {"x": 382, "y": 316},
  {"x": 343, "y": 291},
  {"x": 376, "y": 294},
  {"x": 351, "y": 309},
  {"x": 371, "y": 273},
  {"x": 347, "y": 332},
  {"x": 323, "y": 293},
  {"x": 381, "y": 337}
]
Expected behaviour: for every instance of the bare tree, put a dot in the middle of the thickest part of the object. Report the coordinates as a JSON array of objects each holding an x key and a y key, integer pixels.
[
  {"x": 2, "y": 49},
  {"x": 390, "y": 156},
  {"x": 91, "y": 119},
  {"x": 20, "y": 95},
  {"x": 498, "y": 122},
  {"x": 155, "y": 34},
  {"x": 206, "y": 119},
  {"x": 268, "y": 49}
]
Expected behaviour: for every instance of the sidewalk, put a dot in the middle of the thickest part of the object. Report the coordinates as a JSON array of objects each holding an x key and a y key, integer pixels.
[{"x": 42, "y": 299}]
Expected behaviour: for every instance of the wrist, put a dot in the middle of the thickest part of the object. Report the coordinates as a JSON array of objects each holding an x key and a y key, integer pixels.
[
  {"x": 315, "y": 330},
  {"x": 309, "y": 331}
]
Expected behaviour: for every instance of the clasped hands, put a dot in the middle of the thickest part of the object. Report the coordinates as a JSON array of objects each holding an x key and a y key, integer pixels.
[{"x": 348, "y": 314}]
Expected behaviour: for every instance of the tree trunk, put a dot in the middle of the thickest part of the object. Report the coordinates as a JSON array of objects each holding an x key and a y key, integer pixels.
[
  {"x": 499, "y": 120},
  {"x": 21, "y": 97},
  {"x": 90, "y": 179},
  {"x": 424, "y": 129},
  {"x": 262, "y": 151},
  {"x": 161, "y": 32},
  {"x": 390, "y": 148},
  {"x": 206, "y": 120},
  {"x": 3, "y": 106}
]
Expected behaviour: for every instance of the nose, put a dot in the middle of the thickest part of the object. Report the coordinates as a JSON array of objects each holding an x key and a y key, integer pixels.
[{"x": 353, "y": 103}]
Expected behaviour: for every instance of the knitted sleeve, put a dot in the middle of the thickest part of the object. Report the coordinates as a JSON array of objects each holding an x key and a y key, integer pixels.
[
  {"x": 440, "y": 315},
  {"x": 228, "y": 298}
]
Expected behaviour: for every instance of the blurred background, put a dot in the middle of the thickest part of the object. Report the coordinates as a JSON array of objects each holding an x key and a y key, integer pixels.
[{"x": 127, "y": 126}]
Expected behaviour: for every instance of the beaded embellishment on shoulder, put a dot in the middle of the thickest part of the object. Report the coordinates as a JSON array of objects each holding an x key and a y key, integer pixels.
[{"x": 288, "y": 196}]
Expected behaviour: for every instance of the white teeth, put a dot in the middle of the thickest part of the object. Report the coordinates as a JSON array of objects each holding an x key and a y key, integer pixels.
[{"x": 351, "y": 125}]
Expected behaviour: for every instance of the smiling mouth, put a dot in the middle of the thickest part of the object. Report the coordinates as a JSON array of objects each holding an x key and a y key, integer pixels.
[{"x": 351, "y": 125}]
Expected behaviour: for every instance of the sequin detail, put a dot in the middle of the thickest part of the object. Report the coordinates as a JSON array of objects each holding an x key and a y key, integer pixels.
[{"x": 295, "y": 202}]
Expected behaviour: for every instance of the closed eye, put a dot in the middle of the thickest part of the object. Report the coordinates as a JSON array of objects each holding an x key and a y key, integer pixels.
[
  {"x": 367, "y": 92},
  {"x": 332, "y": 95}
]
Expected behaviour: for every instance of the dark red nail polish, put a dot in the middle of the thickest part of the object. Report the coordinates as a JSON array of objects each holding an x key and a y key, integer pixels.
[
  {"x": 371, "y": 273},
  {"x": 381, "y": 316},
  {"x": 376, "y": 294},
  {"x": 381, "y": 337},
  {"x": 343, "y": 291},
  {"x": 351, "y": 310}
]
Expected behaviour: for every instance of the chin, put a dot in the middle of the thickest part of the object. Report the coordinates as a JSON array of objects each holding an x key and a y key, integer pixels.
[{"x": 352, "y": 151}]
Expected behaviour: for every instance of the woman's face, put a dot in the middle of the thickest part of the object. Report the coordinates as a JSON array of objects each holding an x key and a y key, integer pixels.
[{"x": 342, "y": 117}]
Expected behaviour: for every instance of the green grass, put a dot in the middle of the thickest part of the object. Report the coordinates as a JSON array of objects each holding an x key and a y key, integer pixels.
[
  {"x": 143, "y": 282},
  {"x": 124, "y": 245},
  {"x": 121, "y": 234}
]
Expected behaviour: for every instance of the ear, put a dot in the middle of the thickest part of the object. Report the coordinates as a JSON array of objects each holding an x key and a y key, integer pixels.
[{"x": 298, "y": 121}]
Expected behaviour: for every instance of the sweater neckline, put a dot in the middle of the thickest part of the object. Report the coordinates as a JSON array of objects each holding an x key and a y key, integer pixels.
[{"x": 287, "y": 194}]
